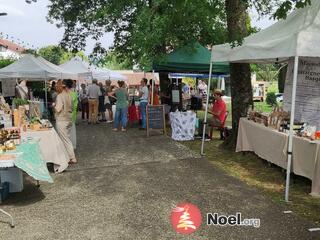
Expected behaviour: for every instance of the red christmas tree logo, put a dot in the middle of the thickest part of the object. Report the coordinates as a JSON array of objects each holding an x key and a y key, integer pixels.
[{"x": 186, "y": 218}]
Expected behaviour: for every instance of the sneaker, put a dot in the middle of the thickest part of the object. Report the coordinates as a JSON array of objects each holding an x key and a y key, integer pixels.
[
  {"x": 110, "y": 121},
  {"x": 207, "y": 139}
]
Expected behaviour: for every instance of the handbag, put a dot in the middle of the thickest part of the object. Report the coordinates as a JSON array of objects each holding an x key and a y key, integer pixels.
[{"x": 106, "y": 100}]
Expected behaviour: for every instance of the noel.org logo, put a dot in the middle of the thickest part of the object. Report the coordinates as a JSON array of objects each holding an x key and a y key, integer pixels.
[{"x": 186, "y": 218}]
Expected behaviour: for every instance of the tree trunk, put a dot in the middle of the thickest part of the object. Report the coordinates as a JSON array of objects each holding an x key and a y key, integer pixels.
[{"x": 240, "y": 75}]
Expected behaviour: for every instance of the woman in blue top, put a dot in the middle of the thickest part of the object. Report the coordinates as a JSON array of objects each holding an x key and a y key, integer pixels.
[{"x": 121, "y": 107}]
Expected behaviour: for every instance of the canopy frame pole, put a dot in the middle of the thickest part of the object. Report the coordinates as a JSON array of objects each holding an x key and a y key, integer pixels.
[
  {"x": 206, "y": 112},
  {"x": 46, "y": 91},
  {"x": 293, "y": 105},
  {"x": 152, "y": 87}
]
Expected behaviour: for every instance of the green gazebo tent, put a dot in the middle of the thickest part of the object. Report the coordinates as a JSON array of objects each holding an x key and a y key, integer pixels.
[{"x": 192, "y": 58}]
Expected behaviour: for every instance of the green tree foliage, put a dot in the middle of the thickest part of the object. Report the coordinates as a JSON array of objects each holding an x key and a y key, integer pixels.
[
  {"x": 5, "y": 62},
  {"x": 265, "y": 72},
  {"x": 143, "y": 30},
  {"x": 114, "y": 62},
  {"x": 57, "y": 55},
  {"x": 271, "y": 99}
]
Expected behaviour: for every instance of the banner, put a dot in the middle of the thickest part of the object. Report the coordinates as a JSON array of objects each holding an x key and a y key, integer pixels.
[
  {"x": 308, "y": 91},
  {"x": 8, "y": 87}
]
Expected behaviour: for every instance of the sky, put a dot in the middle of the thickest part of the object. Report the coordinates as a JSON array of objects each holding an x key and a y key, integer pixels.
[{"x": 27, "y": 23}]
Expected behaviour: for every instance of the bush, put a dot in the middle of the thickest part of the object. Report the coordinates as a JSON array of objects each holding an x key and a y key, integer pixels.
[{"x": 271, "y": 99}]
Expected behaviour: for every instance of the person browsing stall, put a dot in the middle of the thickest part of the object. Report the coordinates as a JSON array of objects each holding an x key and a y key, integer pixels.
[
  {"x": 93, "y": 94},
  {"x": 121, "y": 107},
  {"x": 63, "y": 116},
  {"x": 144, "y": 96}
]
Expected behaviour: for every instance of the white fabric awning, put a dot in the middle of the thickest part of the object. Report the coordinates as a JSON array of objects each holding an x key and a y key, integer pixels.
[
  {"x": 88, "y": 72},
  {"x": 30, "y": 67},
  {"x": 297, "y": 35}
]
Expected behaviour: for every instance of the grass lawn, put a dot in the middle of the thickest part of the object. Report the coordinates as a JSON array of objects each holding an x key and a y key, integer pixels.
[
  {"x": 268, "y": 178},
  {"x": 258, "y": 106}
]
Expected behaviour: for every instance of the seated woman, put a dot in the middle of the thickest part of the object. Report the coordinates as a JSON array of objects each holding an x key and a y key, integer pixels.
[{"x": 219, "y": 110}]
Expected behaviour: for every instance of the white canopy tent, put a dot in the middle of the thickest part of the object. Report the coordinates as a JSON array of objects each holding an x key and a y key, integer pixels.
[
  {"x": 296, "y": 36},
  {"x": 30, "y": 67},
  {"x": 88, "y": 72},
  {"x": 35, "y": 69},
  {"x": 77, "y": 66}
]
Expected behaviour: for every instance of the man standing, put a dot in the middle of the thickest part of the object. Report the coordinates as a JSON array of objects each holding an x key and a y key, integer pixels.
[
  {"x": 144, "y": 95},
  {"x": 93, "y": 94},
  {"x": 84, "y": 102}
]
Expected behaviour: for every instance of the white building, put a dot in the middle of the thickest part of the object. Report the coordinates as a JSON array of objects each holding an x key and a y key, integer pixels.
[{"x": 9, "y": 49}]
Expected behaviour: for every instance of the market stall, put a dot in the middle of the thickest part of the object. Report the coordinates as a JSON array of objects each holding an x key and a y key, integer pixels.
[
  {"x": 286, "y": 41},
  {"x": 25, "y": 157},
  {"x": 51, "y": 147},
  {"x": 253, "y": 136}
]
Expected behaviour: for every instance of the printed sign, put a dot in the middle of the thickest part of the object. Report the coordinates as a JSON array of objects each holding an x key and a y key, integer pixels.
[
  {"x": 8, "y": 87},
  {"x": 307, "y": 108}
]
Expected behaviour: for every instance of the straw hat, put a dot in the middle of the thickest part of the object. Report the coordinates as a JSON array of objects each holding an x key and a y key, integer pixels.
[{"x": 218, "y": 92}]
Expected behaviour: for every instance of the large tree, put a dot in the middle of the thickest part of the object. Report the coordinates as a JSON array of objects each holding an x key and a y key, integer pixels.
[
  {"x": 241, "y": 89},
  {"x": 143, "y": 30}
]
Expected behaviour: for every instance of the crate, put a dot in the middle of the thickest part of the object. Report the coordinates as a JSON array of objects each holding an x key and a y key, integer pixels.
[{"x": 4, "y": 191}]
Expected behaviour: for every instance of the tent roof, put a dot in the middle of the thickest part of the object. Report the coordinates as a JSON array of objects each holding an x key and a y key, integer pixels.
[
  {"x": 31, "y": 68},
  {"x": 85, "y": 71},
  {"x": 191, "y": 58},
  {"x": 297, "y": 35},
  {"x": 76, "y": 65},
  {"x": 64, "y": 73}
]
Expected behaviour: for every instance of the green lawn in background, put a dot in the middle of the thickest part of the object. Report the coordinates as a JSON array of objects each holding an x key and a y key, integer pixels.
[{"x": 258, "y": 106}]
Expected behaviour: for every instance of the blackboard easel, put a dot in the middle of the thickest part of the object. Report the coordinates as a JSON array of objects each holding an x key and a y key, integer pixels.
[{"x": 155, "y": 118}]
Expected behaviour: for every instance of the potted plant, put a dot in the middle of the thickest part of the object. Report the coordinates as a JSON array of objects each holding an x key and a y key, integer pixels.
[{"x": 20, "y": 102}]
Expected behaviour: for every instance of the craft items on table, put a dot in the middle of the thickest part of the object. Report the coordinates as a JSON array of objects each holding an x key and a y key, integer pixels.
[{"x": 279, "y": 118}]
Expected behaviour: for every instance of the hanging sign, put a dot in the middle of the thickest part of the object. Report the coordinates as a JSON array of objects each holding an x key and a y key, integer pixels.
[
  {"x": 307, "y": 108},
  {"x": 8, "y": 87}
]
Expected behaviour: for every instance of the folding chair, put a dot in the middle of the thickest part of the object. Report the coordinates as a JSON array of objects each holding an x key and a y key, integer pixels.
[{"x": 220, "y": 127}]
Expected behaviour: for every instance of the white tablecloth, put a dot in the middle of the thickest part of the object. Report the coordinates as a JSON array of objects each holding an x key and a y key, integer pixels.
[
  {"x": 271, "y": 145},
  {"x": 183, "y": 125},
  {"x": 51, "y": 147}
]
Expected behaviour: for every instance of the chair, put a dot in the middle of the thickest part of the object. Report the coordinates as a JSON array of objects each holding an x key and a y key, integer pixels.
[{"x": 220, "y": 127}]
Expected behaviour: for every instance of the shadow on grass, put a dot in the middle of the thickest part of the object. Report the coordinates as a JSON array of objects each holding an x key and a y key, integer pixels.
[{"x": 265, "y": 176}]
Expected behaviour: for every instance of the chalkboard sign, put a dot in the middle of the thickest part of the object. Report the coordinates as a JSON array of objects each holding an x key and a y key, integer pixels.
[{"x": 155, "y": 118}]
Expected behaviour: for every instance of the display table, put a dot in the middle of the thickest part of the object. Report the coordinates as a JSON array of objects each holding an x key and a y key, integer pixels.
[
  {"x": 272, "y": 145},
  {"x": 27, "y": 157},
  {"x": 51, "y": 147},
  {"x": 183, "y": 125}
]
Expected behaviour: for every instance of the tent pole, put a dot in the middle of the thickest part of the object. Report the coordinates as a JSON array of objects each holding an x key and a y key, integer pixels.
[
  {"x": 206, "y": 112},
  {"x": 152, "y": 87},
  {"x": 293, "y": 103},
  {"x": 46, "y": 91}
]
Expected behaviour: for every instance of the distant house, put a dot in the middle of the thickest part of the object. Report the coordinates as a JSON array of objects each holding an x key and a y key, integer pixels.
[
  {"x": 9, "y": 49},
  {"x": 134, "y": 78}
]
